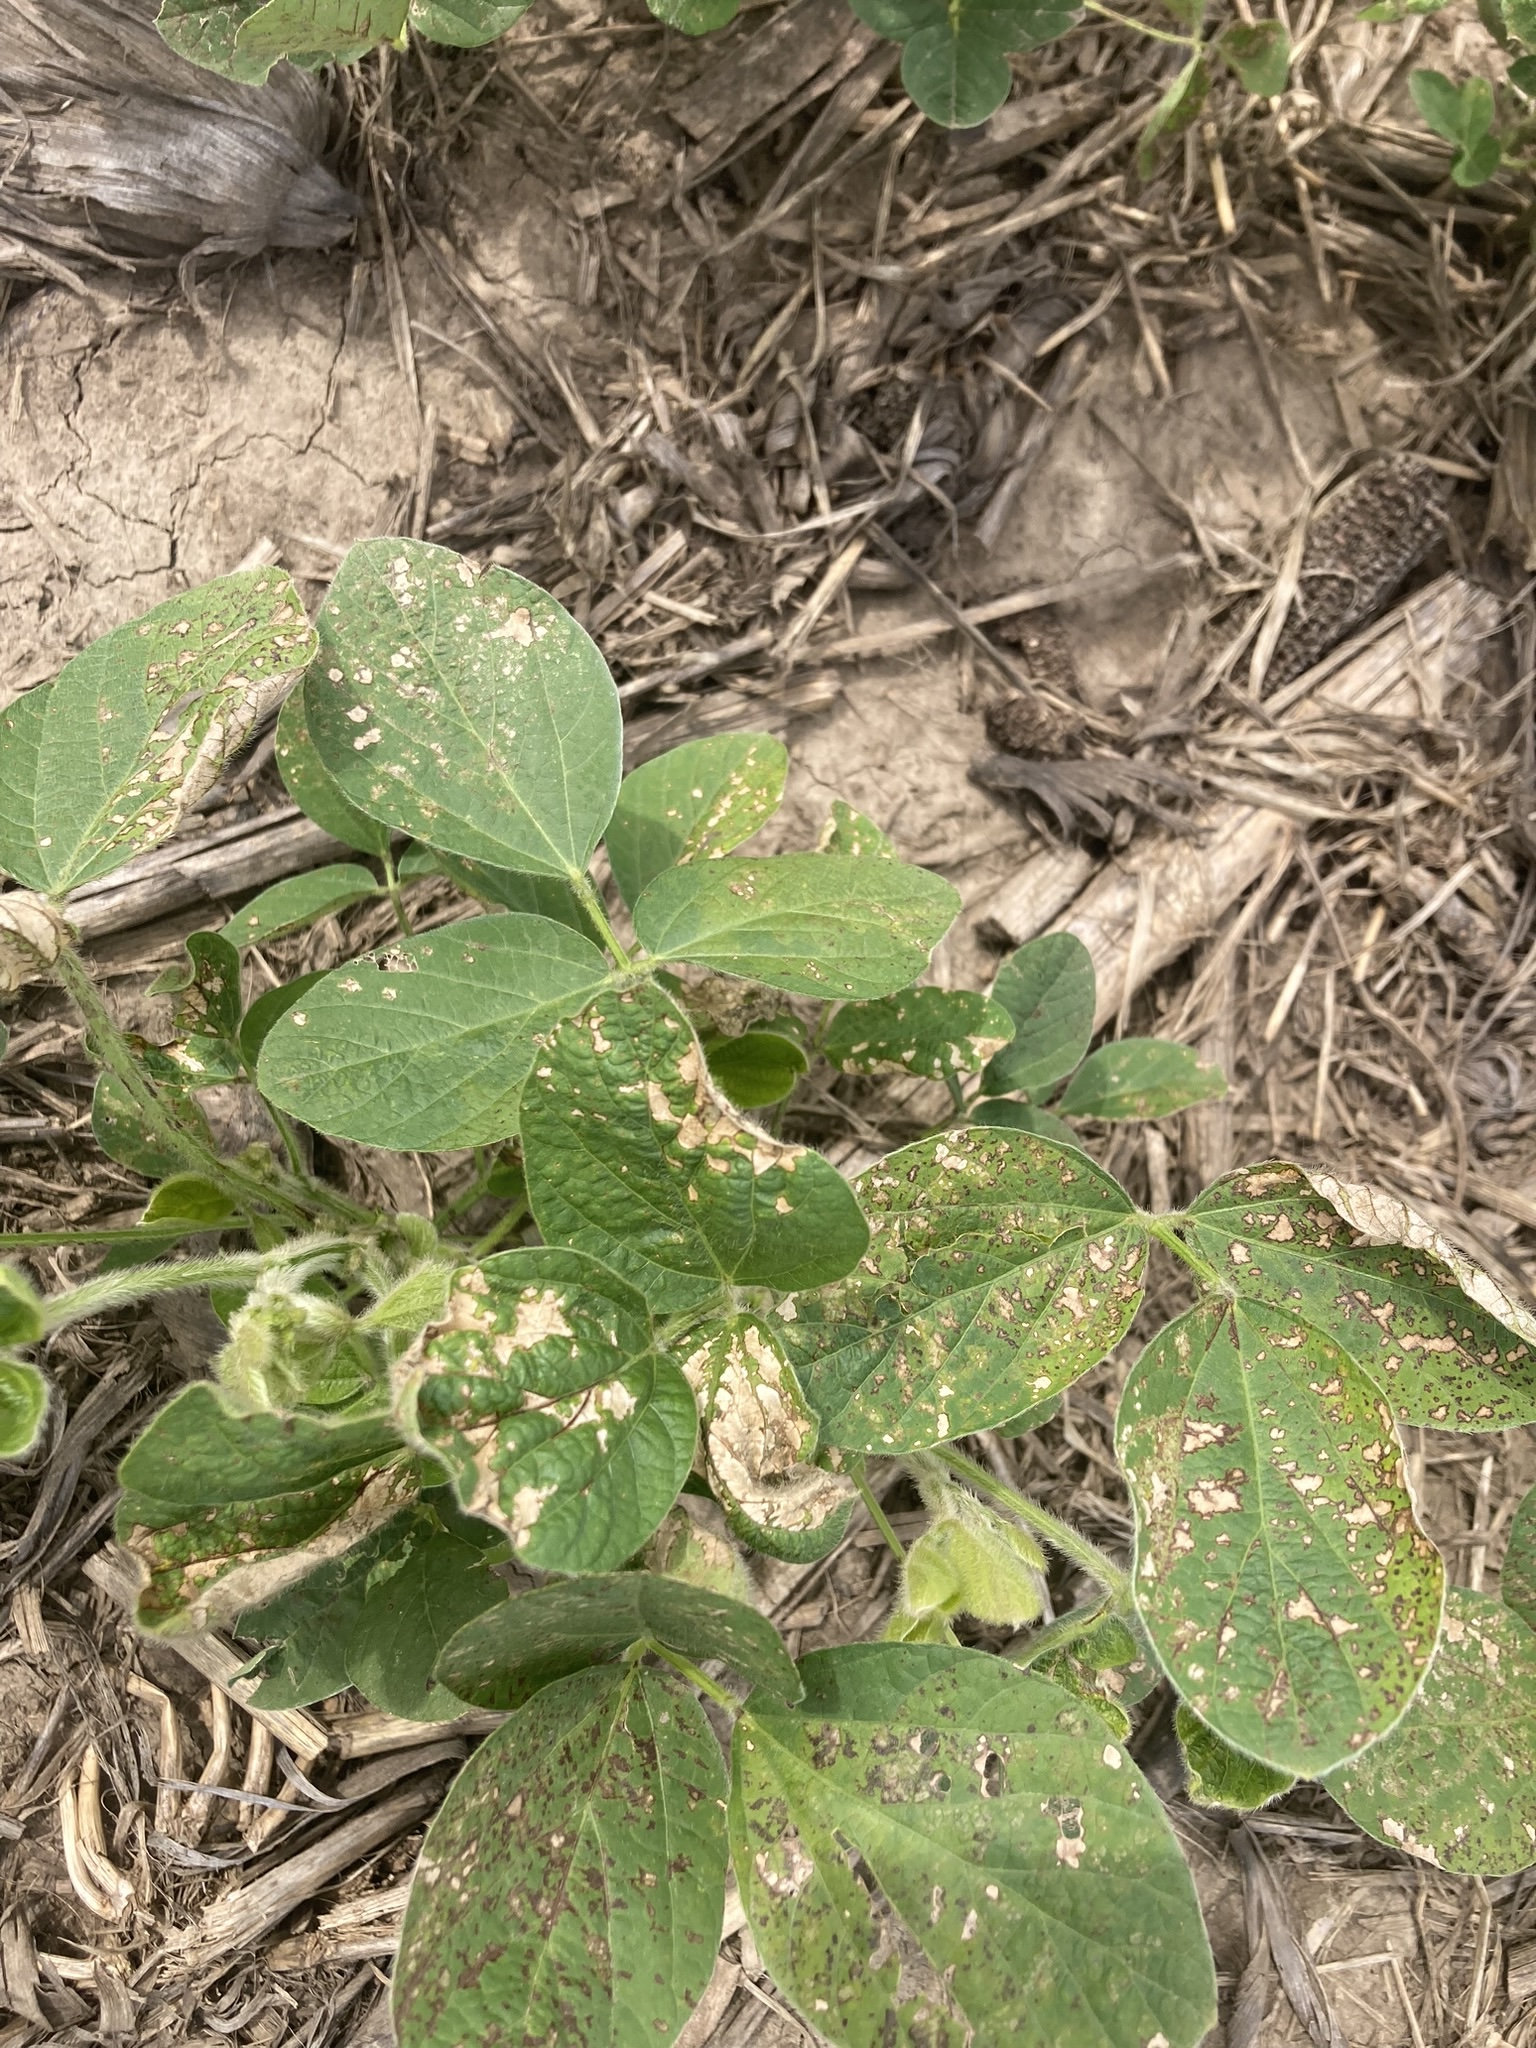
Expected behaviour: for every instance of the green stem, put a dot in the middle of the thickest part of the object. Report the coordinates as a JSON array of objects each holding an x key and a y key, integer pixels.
[
  {"x": 1061, "y": 1633},
  {"x": 876, "y": 1512},
  {"x": 287, "y": 1131},
  {"x": 1142, "y": 28},
  {"x": 1060, "y": 1535},
  {"x": 392, "y": 887},
  {"x": 956, "y": 1094},
  {"x": 497, "y": 1232},
  {"x": 116, "y": 1290},
  {"x": 1163, "y": 1230},
  {"x": 592, "y": 903},
  {"x": 695, "y": 1676}
]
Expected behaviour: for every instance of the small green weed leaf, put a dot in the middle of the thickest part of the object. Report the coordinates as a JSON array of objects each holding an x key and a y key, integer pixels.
[
  {"x": 634, "y": 1156},
  {"x": 1000, "y": 1269},
  {"x": 537, "y": 895},
  {"x": 264, "y": 1013},
  {"x": 817, "y": 924},
  {"x": 506, "y": 1656},
  {"x": 955, "y": 55},
  {"x": 541, "y": 1395},
  {"x": 23, "y": 1405},
  {"x": 1259, "y": 52},
  {"x": 1442, "y": 1340},
  {"x": 1517, "y": 1575},
  {"x": 22, "y": 1320},
  {"x": 1022, "y": 1116},
  {"x": 1141, "y": 1077},
  {"x": 1179, "y": 108},
  {"x": 1455, "y": 1781},
  {"x": 465, "y": 23},
  {"x": 849, "y": 833},
  {"x": 315, "y": 789},
  {"x": 1220, "y": 1775},
  {"x": 204, "y": 32},
  {"x": 1030, "y": 1889},
  {"x": 189, "y": 1198},
  {"x": 117, "y": 1125},
  {"x": 458, "y": 704},
  {"x": 695, "y": 17},
  {"x": 937, "y": 1032},
  {"x": 572, "y": 1886},
  {"x": 309, "y": 1625},
  {"x": 425, "y": 1045},
  {"x": 693, "y": 804},
  {"x": 759, "y": 1439},
  {"x": 291, "y": 905},
  {"x": 1048, "y": 989},
  {"x": 757, "y": 1068},
  {"x": 103, "y": 762},
  {"x": 1279, "y": 1571},
  {"x": 413, "y": 1604},
  {"x": 319, "y": 31}
]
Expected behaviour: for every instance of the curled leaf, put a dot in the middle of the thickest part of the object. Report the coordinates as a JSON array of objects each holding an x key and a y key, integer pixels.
[
  {"x": 1220, "y": 1775},
  {"x": 23, "y": 1405},
  {"x": 32, "y": 936}
]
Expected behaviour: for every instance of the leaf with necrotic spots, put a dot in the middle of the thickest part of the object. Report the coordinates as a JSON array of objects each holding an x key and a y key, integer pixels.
[
  {"x": 465, "y": 23},
  {"x": 693, "y": 804},
  {"x": 314, "y": 788},
  {"x": 818, "y": 924},
  {"x": 466, "y": 708},
  {"x": 1444, "y": 1342},
  {"x": 1141, "y": 1077},
  {"x": 633, "y": 1155},
  {"x": 426, "y": 1045},
  {"x": 504, "y": 1658},
  {"x": 572, "y": 1886},
  {"x": 938, "y": 1032},
  {"x": 1220, "y": 1775},
  {"x": 308, "y": 1625},
  {"x": 291, "y": 905},
  {"x": 204, "y": 31},
  {"x": 104, "y": 762},
  {"x": 319, "y": 31},
  {"x": 1000, "y": 1269},
  {"x": 1016, "y": 1878},
  {"x": 557, "y": 1421},
  {"x": 849, "y": 832},
  {"x": 1517, "y": 1575},
  {"x": 413, "y": 1603},
  {"x": 1455, "y": 1780},
  {"x": 1279, "y": 1571}
]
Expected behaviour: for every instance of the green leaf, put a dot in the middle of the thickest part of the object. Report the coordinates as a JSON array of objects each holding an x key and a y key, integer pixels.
[
  {"x": 936, "y": 1032},
  {"x": 1478, "y": 161},
  {"x": 572, "y": 1886},
  {"x": 189, "y": 1198},
  {"x": 695, "y": 803},
  {"x": 264, "y": 1013},
  {"x": 1522, "y": 73},
  {"x": 204, "y": 32},
  {"x": 207, "y": 987},
  {"x": 694, "y": 17},
  {"x": 290, "y": 905},
  {"x": 1048, "y": 989},
  {"x": 817, "y": 924},
  {"x": 315, "y": 789},
  {"x": 1035, "y": 1416},
  {"x": 537, "y": 895},
  {"x": 1455, "y": 1781},
  {"x": 1140, "y": 1077},
  {"x": 1109, "y": 1667},
  {"x": 1016, "y": 1881},
  {"x": 1517, "y": 1575},
  {"x": 1259, "y": 52},
  {"x": 759, "y": 1440},
  {"x": 757, "y": 1068},
  {"x": 509, "y": 1654},
  {"x": 21, "y": 1309},
  {"x": 413, "y": 1604},
  {"x": 1179, "y": 108},
  {"x": 1220, "y": 1775},
  {"x": 425, "y": 1045},
  {"x": 1279, "y": 1571},
  {"x": 201, "y": 1451},
  {"x": 1001, "y": 1268},
  {"x": 104, "y": 762},
  {"x": 849, "y": 833},
  {"x": 465, "y": 23},
  {"x": 1447, "y": 1347},
  {"x": 117, "y": 1125},
  {"x": 541, "y": 1394},
  {"x": 1518, "y": 18},
  {"x": 632, "y": 1155},
  {"x": 1020, "y": 1116},
  {"x": 321, "y": 31},
  {"x": 955, "y": 60},
  {"x": 23, "y": 1405},
  {"x": 309, "y": 1625},
  {"x": 1440, "y": 103},
  {"x": 467, "y": 708}
]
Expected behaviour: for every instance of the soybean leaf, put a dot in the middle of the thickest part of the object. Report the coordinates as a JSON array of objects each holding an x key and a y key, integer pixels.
[
  {"x": 1179, "y": 108},
  {"x": 22, "y": 1320},
  {"x": 955, "y": 55},
  {"x": 1463, "y": 115},
  {"x": 848, "y": 832},
  {"x": 264, "y": 1013},
  {"x": 1048, "y": 989},
  {"x": 189, "y": 1198},
  {"x": 1220, "y": 1775},
  {"x": 817, "y": 924},
  {"x": 572, "y": 1886},
  {"x": 103, "y": 762},
  {"x": 1440, "y": 103},
  {"x": 117, "y": 1125},
  {"x": 508, "y": 1654},
  {"x": 206, "y": 987},
  {"x": 1455, "y": 1781},
  {"x": 140, "y": 1243},
  {"x": 308, "y": 1626},
  {"x": 290, "y": 905},
  {"x": 23, "y": 1404},
  {"x": 201, "y": 1451},
  {"x": 1448, "y": 1348},
  {"x": 537, "y": 895},
  {"x": 695, "y": 803},
  {"x": 1517, "y": 1575},
  {"x": 541, "y": 1394},
  {"x": 1140, "y": 1077},
  {"x": 759, "y": 1439},
  {"x": 1110, "y": 1668},
  {"x": 320, "y": 31},
  {"x": 633, "y": 1155},
  {"x": 1035, "y": 1416},
  {"x": 465, "y": 707},
  {"x": 204, "y": 31},
  {"x": 1522, "y": 73},
  {"x": 1279, "y": 1571},
  {"x": 1259, "y": 52},
  {"x": 941, "y": 1033},
  {"x": 412, "y": 1604},
  {"x": 426, "y": 1045},
  {"x": 757, "y": 1068},
  {"x": 1022, "y": 1116},
  {"x": 315, "y": 789},
  {"x": 465, "y": 23},
  {"x": 694, "y": 17},
  {"x": 1023, "y": 1883},
  {"x": 1001, "y": 1268}
]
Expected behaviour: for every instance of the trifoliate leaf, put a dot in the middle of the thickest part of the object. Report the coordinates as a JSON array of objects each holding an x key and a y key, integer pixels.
[
  {"x": 1109, "y": 1667},
  {"x": 23, "y": 1405},
  {"x": 1259, "y": 52},
  {"x": 117, "y": 1125},
  {"x": 1179, "y": 108},
  {"x": 936, "y": 1032},
  {"x": 548, "y": 896},
  {"x": 204, "y": 32},
  {"x": 292, "y": 905},
  {"x": 1220, "y": 1775},
  {"x": 319, "y": 31},
  {"x": 1048, "y": 989},
  {"x": 1141, "y": 1077},
  {"x": 189, "y": 1198},
  {"x": 264, "y": 1013},
  {"x": 693, "y": 804}
]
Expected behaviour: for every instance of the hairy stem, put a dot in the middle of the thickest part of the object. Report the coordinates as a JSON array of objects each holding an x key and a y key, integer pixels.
[
  {"x": 392, "y": 887},
  {"x": 694, "y": 1676},
  {"x": 1059, "y": 1634},
  {"x": 592, "y": 903},
  {"x": 1163, "y": 1229},
  {"x": 116, "y": 1290},
  {"x": 1060, "y": 1535}
]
